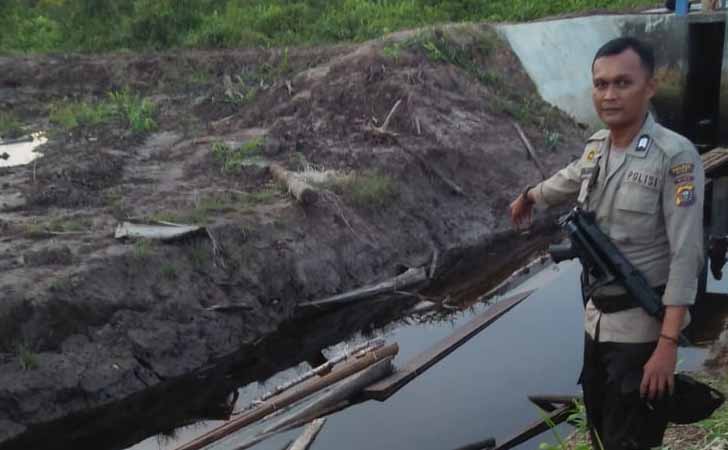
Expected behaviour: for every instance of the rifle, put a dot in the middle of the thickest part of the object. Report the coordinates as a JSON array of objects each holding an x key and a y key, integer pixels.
[{"x": 603, "y": 261}]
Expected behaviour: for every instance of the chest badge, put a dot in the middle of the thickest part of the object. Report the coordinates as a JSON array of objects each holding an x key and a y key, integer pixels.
[{"x": 642, "y": 143}]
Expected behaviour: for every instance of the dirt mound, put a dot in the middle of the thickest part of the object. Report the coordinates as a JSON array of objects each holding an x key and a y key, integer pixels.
[{"x": 124, "y": 316}]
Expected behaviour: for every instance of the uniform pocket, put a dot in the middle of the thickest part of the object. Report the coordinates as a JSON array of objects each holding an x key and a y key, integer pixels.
[{"x": 636, "y": 217}]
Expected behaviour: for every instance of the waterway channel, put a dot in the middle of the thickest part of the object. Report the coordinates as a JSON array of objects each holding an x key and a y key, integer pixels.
[{"x": 478, "y": 391}]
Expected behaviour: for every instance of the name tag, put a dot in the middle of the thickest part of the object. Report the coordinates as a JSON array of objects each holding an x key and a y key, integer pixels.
[{"x": 642, "y": 178}]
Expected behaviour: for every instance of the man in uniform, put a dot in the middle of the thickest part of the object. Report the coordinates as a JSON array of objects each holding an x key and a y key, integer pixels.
[{"x": 645, "y": 184}]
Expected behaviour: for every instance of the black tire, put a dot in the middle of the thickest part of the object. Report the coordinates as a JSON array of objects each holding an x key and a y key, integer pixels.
[{"x": 670, "y": 4}]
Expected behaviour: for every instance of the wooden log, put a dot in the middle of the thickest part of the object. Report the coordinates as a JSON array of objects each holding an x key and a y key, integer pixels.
[
  {"x": 552, "y": 419},
  {"x": 530, "y": 149},
  {"x": 423, "y": 361},
  {"x": 298, "y": 188},
  {"x": 451, "y": 185},
  {"x": 409, "y": 278},
  {"x": 288, "y": 398},
  {"x": 305, "y": 440},
  {"x": 320, "y": 370},
  {"x": 346, "y": 390}
]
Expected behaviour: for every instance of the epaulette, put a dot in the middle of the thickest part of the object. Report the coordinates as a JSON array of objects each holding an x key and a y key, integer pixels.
[
  {"x": 599, "y": 135},
  {"x": 671, "y": 143}
]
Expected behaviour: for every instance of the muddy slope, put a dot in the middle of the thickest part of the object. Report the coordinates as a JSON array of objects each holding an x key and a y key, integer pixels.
[{"x": 87, "y": 320}]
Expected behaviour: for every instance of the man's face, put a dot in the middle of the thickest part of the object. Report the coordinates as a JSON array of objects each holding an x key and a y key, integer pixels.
[{"x": 621, "y": 89}]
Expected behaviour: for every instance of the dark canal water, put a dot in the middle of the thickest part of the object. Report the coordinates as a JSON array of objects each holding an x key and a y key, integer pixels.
[{"x": 478, "y": 391}]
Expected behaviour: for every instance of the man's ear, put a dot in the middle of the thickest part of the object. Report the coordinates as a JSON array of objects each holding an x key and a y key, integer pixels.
[{"x": 651, "y": 87}]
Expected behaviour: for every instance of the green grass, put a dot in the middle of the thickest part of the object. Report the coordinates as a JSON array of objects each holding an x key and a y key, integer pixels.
[
  {"x": 89, "y": 25},
  {"x": 73, "y": 114},
  {"x": 207, "y": 207},
  {"x": 10, "y": 126},
  {"x": 27, "y": 358},
  {"x": 137, "y": 112},
  {"x": 133, "y": 111},
  {"x": 231, "y": 159},
  {"x": 367, "y": 190},
  {"x": 168, "y": 271}
]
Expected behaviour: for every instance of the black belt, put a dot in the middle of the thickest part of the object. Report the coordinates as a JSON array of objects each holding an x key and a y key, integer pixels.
[{"x": 614, "y": 303}]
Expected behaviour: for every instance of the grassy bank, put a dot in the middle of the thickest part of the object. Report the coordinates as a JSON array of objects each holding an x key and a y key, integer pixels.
[{"x": 99, "y": 25}]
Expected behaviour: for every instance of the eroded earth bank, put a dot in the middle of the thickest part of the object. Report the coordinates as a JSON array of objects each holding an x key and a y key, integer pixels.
[{"x": 99, "y": 333}]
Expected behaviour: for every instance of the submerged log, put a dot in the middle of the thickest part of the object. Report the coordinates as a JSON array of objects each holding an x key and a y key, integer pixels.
[
  {"x": 309, "y": 435},
  {"x": 423, "y": 361},
  {"x": 486, "y": 444},
  {"x": 540, "y": 426},
  {"x": 299, "y": 189},
  {"x": 409, "y": 278},
  {"x": 288, "y": 398},
  {"x": 549, "y": 402}
]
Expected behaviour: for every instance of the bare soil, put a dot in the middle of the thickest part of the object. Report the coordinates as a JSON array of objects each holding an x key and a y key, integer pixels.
[{"x": 103, "y": 320}]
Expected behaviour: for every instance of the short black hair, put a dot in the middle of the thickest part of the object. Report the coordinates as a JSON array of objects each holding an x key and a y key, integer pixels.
[{"x": 618, "y": 45}]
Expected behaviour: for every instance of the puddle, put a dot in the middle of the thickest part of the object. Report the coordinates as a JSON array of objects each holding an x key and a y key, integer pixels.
[
  {"x": 478, "y": 391},
  {"x": 20, "y": 153}
]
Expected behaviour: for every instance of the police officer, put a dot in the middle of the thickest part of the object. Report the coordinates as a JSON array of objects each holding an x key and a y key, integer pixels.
[{"x": 645, "y": 183}]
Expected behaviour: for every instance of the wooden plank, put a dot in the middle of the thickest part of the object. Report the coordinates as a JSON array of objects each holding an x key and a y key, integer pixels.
[
  {"x": 290, "y": 397},
  {"x": 423, "y": 361},
  {"x": 714, "y": 159},
  {"x": 538, "y": 427}
]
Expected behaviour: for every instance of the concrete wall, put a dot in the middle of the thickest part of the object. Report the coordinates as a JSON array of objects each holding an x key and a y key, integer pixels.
[{"x": 557, "y": 54}]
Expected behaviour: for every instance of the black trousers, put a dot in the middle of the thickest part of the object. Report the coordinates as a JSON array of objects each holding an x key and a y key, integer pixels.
[{"x": 618, "y": 417}]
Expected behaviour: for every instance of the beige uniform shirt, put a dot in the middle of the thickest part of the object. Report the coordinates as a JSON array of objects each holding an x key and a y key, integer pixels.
[{"x": 651, "y": 206}]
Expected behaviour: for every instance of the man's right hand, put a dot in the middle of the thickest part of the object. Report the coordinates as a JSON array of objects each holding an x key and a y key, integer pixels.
[{"x": 522, "y": 211}]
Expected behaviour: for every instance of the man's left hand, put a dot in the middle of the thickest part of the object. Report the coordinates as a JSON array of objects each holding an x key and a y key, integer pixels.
[{"x": 658, "y": 377}]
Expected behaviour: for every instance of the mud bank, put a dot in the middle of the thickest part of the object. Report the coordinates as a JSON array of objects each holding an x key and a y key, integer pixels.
[{"x": 89, "y": 323}]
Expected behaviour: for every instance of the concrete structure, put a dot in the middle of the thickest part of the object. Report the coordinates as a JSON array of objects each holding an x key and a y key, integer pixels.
[{"x": 557, "y": 54}]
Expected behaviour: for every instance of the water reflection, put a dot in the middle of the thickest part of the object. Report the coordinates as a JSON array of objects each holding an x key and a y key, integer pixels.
[
  {"x": 22, "y": 151},
  {"x": 478, "y": 391}
]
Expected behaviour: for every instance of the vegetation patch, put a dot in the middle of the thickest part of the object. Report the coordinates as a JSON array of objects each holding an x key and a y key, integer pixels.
[
  {"x": 210, "y": 205},
  {"x": 72, "y": 25},
  {"x": 27, "y": 358},
  {"x": 10, "y": 126},
  {"x": 135, "y": 112},
  {"x": 231, "y": 159},
  {"x": 367, "y": 190}
]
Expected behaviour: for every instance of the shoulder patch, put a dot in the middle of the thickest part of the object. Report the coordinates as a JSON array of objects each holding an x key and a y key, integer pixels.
[
  {"x": 599, "y": 135},
  {"x": 682, "y": 169},
  {"x": 591, "y": 154},
  {"x": 685, "y": 194}
]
